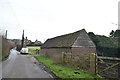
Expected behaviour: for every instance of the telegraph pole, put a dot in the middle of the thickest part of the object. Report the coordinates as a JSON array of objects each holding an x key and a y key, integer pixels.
[
  {"x": 22, "y": 42},
  {"x": 6, "y": 34}
]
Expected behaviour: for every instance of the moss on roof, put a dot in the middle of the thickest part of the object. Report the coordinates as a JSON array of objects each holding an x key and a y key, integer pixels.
[{"x": 66, "y": 40}]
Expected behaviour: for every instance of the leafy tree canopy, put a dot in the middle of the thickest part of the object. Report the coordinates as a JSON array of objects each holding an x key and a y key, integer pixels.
[{"x": 107, "y": 45}]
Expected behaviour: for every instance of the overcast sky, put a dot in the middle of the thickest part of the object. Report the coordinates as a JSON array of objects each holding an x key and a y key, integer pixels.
[{"x": 43, "y": 19}]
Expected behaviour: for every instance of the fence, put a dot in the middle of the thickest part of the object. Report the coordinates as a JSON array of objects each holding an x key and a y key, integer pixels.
[
  {"x": 37, "y": 51},
  {"x": 107, "y": 67},
  {"x": 84, "y": 62}
]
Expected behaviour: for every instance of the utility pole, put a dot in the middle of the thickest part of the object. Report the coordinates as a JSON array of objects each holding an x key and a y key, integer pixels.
[
  {"x": 22, "y": 42},
  {"x": 6, "y": 34}
]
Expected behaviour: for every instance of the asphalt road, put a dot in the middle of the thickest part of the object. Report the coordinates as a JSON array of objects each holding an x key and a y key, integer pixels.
[{"x": 22, "y": 66}]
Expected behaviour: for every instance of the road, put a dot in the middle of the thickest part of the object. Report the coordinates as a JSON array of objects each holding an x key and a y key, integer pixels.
[{"x": 22, "y": 66}]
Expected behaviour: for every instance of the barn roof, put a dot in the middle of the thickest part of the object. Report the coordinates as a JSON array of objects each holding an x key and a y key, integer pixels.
[{"x": 76, "y": 39}]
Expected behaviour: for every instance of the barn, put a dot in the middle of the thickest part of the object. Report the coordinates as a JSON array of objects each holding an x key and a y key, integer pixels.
[{"x": 76, "y": 43}]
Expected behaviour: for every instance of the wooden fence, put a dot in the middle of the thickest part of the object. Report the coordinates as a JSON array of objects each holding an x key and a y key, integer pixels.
[
  {"x": 83, "y": 62},
  {"x": 37, "y": 51},
  {"x": 107, "y": 67}
]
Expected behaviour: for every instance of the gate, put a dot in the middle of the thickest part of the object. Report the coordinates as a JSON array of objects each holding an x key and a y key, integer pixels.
[{"x": 108, "y": 67}]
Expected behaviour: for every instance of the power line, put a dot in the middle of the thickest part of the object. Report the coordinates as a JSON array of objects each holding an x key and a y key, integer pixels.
[{"x": 13, "y": 12}]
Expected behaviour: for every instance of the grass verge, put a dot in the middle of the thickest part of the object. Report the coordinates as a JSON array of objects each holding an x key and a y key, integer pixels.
[
  {"x": 32, "y": 53},
  {"x": 64, "y": 71},
  {"x": 33, "y": 47}
]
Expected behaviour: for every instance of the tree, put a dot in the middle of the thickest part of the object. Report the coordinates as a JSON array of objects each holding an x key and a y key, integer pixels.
[
  {"x": 112, "y": 33},
  {"x": 93, "y": 37},
  {"x": 106, "y": 45},
  {"x": 117, "y": 33}
]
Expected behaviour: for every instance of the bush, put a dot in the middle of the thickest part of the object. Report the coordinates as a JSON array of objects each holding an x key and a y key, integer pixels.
[
  {"x": 6, "y": 46},
  {"x": 106, "y": 45}
]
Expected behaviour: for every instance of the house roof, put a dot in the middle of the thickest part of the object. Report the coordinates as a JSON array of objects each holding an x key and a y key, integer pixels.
[
  {"x": 38, "y": 42},
  {"x": 76, "y": 39}
]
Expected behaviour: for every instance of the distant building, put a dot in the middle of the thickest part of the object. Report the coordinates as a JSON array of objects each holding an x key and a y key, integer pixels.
[
  {"x": 76, "y": 43},
  {"x": 26, "y": 41},
  {"x": 37, "y": 42}
]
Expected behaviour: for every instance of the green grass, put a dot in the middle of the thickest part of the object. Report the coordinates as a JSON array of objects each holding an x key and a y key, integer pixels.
[
  {"x": 31, "y": 53},
  {"x": 64, "y": 71},
  {"x": 33, "y": 47}
]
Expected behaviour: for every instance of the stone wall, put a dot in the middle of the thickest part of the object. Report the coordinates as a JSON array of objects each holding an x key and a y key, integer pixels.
[
  {"x": 55, "y": 53},
  {"x": 83, "y": 50},
  {"x": 6, "y": 46},
  {"x": 0, "y": 48}
]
